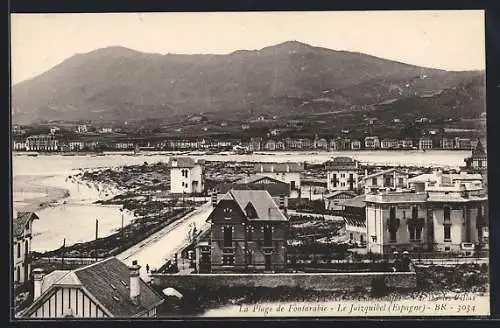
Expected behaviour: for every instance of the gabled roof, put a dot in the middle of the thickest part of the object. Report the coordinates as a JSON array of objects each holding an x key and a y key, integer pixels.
[
  {"x": 341, "y": 163},
  {"x": 373, "y": 175},
  {"x": 479, "y": 150},
  {"x": 20, "y": 221},
  {"x": 108, "y": 282},
  {"x": 430, "y": 177},
  {"x": 340, "y": 192},
  {"x": 183, "y": 162},
  {"x": 256, "y": 178},
  {"x": 264, "y": 205},
  {"x": 278, "y": 167},
  {"x": 358, "y": 201}
]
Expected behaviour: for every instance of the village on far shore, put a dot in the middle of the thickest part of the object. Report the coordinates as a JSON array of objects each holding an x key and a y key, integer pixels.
[{"x": 311, "y": 230}]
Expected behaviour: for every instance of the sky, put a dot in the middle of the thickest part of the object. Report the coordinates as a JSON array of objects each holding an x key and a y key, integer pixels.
[{"x": 451, "y": 40}]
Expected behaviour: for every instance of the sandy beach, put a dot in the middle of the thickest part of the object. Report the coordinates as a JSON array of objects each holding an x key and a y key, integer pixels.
[{"x": 31, "y": 193}]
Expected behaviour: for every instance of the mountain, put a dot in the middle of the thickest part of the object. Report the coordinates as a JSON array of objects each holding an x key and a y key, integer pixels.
[{"x": 289, "y": 78}]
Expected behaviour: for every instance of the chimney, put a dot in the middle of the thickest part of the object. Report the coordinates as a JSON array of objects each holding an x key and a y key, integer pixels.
[
  {"x": 38, "y": 275},
  {"x": 135, "y": 282}
]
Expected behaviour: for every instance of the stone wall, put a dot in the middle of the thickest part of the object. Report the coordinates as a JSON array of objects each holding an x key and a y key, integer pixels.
[{"x": 313, "y": 281}]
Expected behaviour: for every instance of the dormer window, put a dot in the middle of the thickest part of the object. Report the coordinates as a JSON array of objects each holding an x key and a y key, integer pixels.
[{"x": 250, "y": 211}]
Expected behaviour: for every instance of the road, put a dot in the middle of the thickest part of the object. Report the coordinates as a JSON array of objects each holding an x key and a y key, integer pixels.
[{"x": 162, "y": 245}]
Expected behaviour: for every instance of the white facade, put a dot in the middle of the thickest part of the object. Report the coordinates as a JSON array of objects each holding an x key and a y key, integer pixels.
[
  {"x": 342, "y": 179},
  {"x": 446, "y": 214},
  {"x": 391, "y": 178},
  {"x": 372, "y": 143},
  {"x": 187, "y": 180},
  {"x": 292, "y": 178}
]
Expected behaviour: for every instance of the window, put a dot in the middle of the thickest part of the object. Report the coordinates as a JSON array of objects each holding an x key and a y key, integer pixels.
[
  {"x": 374, "y": 181},
  {"x": 447, "y": 232},
  {"x": 342, "y": 184},
  {"x": 26, "y": 248},
  {"x": 480, "y": 163},
  {"x": 400, "y": 182},
  {"x": 334, "y": 180},
  {"x": 268, "y": 236},
  {"x": 351, "y": 236},
  {"x": 228, "y": 260},
  {"x": 268, "y": 262},
  {"x": 393, "y": 224},
  {"x": 387, "y": 181},
  {"x": 447, "y": 214},
  {"x": 342, "y": 175},
  {"x": 18, "y": 250},
  {"x": 249, "y": 233},
  {"x": 414, "y": 212},
  {"x": 228, "y": 236}
]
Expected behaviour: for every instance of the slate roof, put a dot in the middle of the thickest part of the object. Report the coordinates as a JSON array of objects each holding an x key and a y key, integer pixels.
[
  {"x": 430, "y": 177},
  {"x": 264, "y": 205},
  {"x": 376, "y": 174},
  {"x": 20, "y": 221},
  {"x": 340, "y": 192},
  {"x": 341, "y": 163},
  {"x": 358, "y": 201},
  {"x": 184, "y": 162},
  {"x": 279, "y": 167},
  {"x": 104, "y": 281}
]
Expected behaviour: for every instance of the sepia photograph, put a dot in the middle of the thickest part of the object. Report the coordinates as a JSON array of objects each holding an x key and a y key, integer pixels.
[{"x": 249, "y": 165}]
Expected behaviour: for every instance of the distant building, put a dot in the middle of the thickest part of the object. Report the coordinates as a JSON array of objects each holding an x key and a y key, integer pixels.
[
  {"x": 76, "y": 145},
  {"x": 18, "y": 130},
  {"x": 279, "y": 190},
  {"x": 124, "y": 145},
  {"x": 255, "y": 144},
  {"x": 443, "y": 213},
  {"x": 354, "y": 216},
  {"x": 54, "y": 130},
  {"x": 341, "y": 174},
  {"x": 372, "y": 143},
  {"x": 322, "y": 144},
  {"x": 186, "y": 175},
  {"x": 105, "y": 289},
  {"x": 245, "y": 126},
  {"x": 22, "y": 233},
  {"x": 425, "y": 143},
  {"x": 355, "y": 145},
  {"x": 334, "y": 201},
  {"x": 82, "y": 128},
  {"x": 447, "y": 143},
  {"x": 405, "y": 143},
  {"x": 45, "y": 142},
  {"x": 106, "y": 130},
  {"x": 478, "y": 162},
  {"x": 280, "y": 145},
  {"x": 248, "y": 233},
  {"x": 270, "y": 145},
  {"x": 286, "y": 172},
  {"x": 463, "y": 143},
  {"x": 18, "y": 145},
  {"x": 388, "y": 144},
  {"x": 332, "y": 145},
  {"x": 391, "y": 178}
]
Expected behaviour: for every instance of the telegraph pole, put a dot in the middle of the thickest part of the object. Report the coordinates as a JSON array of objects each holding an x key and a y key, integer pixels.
[{"x": 96, "y": 235}]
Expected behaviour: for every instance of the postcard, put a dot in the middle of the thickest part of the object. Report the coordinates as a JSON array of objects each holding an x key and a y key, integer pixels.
[{"x": 249, "y": 164}]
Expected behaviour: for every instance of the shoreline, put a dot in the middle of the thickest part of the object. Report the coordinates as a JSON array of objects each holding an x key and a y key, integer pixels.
[{"x": 34, "y": 184}]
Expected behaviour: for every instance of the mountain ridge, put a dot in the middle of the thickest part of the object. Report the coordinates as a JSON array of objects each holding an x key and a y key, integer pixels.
[{"x": 120, "y": 83}]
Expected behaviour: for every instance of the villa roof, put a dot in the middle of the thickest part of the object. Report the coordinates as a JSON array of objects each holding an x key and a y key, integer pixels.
[
  {"x": 107, "y": 282},
  {"x": 376, "y": 174},
  {"x": 430, "y": 177},
  {"x": 182, "y": 162},
  {"x": 341, "y": 163},
  {"x": 278, "y": 167},
  {"x": 340, "y": 192},
  {"x": 265, "y": 207},
  {"x": 358, "y": 201},
  {"x": 20, "y": 221}
]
